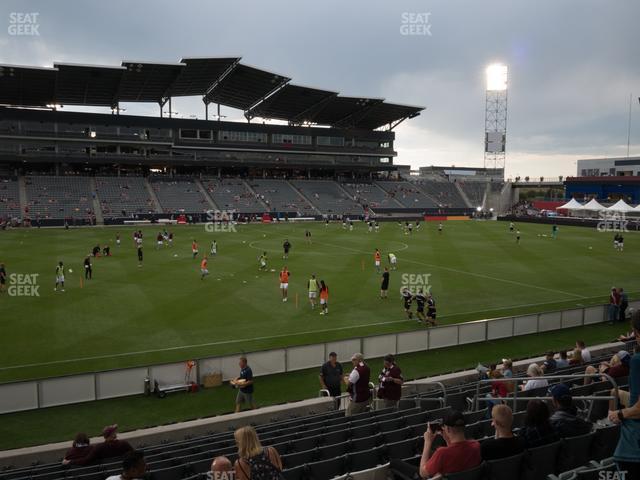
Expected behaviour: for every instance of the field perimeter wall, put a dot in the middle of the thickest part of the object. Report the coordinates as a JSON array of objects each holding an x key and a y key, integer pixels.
[{"x": 49, "y": 392}]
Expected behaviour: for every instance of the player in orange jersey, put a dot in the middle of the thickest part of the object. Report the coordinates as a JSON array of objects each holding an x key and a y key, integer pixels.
[{"x": 284, "y": 283}]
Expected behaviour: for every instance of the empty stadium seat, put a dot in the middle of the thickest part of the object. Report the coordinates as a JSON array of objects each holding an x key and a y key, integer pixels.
[
  {"x": 575, "y": 451},
  {"x": 504, "y": 468}
]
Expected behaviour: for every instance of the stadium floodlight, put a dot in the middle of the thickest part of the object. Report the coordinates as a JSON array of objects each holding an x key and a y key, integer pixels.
[
  {"x": 478, "y": 209},
  {"x": 496, "y": 77}
]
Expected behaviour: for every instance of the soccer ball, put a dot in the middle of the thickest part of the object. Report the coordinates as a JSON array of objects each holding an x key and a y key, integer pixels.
[
  {"x": 70, "y": 271},
  {"x": 590, "y": 248},
  {"x": 264, "y": 235}
]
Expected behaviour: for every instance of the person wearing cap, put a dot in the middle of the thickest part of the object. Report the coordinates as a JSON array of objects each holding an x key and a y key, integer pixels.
[
  {"x": 134, "y": 467},
  {"x": 565, "y": 420},
  {"x": 627, "y": 453},
  {"x": 358, "y": 386},
  {"x": 505, "y": 443},
  {"x": 459, "y": 455},
  {"x": 110, "y": 448},
  {"x": 549, "y": 364},
  {"x": 390, "y": 386},
  {"x": 617, "y": 367},
  {"x": 331, "y": 376}
]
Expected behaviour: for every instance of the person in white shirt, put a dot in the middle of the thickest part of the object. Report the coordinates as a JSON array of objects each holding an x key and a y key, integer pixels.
[
  {"x": 534, "y": 371},
  {"x": 586, "y": 354},
  {"x": 133, "y": 467}
]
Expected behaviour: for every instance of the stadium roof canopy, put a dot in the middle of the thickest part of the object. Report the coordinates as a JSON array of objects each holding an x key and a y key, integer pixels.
[{"x": 225, "y": 81}]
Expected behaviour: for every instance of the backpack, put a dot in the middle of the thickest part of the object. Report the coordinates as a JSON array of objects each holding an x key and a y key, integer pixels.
[{"x": 262, "y": 468}]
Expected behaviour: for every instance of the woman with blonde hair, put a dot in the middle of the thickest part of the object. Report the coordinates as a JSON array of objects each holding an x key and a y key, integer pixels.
[
  {"x": 254, "y": 461},
  {"x": 534, "y": 370},
  {"x": 576, "y": 357}
]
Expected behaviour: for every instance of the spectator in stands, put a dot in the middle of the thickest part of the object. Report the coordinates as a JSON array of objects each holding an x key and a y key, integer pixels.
[
  {"x": 80, "y": 448},
  {"x": 562, "y": 361},
  {"x": 459, "y": 455},
  {"x": 507, "y": 368},
  {"x": 627, "y": 453},
  {"x": 613, "y": 310},
  {"x": 549, "y": 365},
  {"x": 537, "y": 429},
  {"x": 617, "y": 367},
  {"x": 221, "y": 465},
  {"x": 576, "y": 357},
  {"x": 586, "y": 354},
  {"x": 331, "y": 376},
  {"x": 358, "y": 386},
  {"x": 110, "y": 448},
  {"x": 505, "y": 443},
  {"x": 534, "y": 371},
  {"x": 390, "y": 386},
  {"x": 133, "y": 467},
  {"x": 565, "y": 420},
  {"x": 254, "y": 461}
]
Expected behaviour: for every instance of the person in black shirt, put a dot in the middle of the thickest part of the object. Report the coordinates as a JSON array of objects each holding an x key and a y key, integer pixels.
[
  {"x": 549, "y": 364},
  {"x": 286, "y": 246},
  {"x": 407, "y": 298},
  {"x": 420, "y": 299},
  {"x": 139, "y": 254},
  {"x": 244, "y": 384},
  {"x": 384, "y": 288},
  {"x": 505, "y": 444},
  {"x": 88, "y": 271},
  {"x": 331, "y": 376},
  {"x": 431, "y": 310},
  {"x": 537, "y": 429}
]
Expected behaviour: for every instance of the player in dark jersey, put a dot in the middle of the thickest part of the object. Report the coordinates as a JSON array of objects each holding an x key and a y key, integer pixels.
[
  {"x": 384, "y": 287},
  {"x": 421, "y": 300},
  {"x": 286, "y": 246},
  {"x": 517, "y": 236},
  {"x": 139, "y": 253},
  {"x": 307, "y": 234},
  {"x": 407, "y": 298},
  {"x": 431, "y": 310},
  {"x": 88, "y": 271}
]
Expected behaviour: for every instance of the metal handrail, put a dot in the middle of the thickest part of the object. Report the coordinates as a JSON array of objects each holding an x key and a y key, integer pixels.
[
  {"x": 515, "y": 397},
  {"x": 442, "y": 386}
]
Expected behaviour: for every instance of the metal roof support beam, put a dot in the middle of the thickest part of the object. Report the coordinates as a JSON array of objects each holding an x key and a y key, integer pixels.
[
  {"x": 312, "y": 110},
  {"x": 222, "y": 77}
]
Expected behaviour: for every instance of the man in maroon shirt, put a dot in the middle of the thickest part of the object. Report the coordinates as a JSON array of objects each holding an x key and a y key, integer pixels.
[
  {"x": 110, "y": 448},
  {"x": 459, "y": 454},
  {"x": 390, "y": 387}
]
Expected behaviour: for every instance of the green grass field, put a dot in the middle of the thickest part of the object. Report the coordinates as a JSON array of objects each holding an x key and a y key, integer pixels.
[{"x": 163, "y": 312}]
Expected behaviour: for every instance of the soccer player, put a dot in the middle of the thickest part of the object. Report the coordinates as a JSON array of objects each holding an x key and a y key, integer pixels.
[
  {"x": 431, "y": 310},
  {"x": 417, "y": 225},
  {"x": 554, "y": 231},
  {"x": 410, "y": 227},
  {"x": 286, "y": 246},
  {"x": 620, "y": 242},
  {"x": 117, "y": 239},
  {"x": 440, "y": 227},
  {"x": 312, "y": 287},
  {"x": 139, "y": 252},
  {"x": 159, "y": 241},
  {"x": 262, "y": 261},
  {"x": 376, "y": 225},
  {"x": 393, "y": 261},
  {"x": 326, "y": 223},
  {"x": 421, "y": 300},
  {"x": 376, "y": 258},
  {"x": 407, "y": 298},
  {"x": 324, "y": 298},
  {"x": 214, "y": 248},
  {"x": 517, "y": 236},
  {"x": 511, "y": 227},
  {"x": 284, "y": 283},
  {"x": 344, "y": 224},
  {"x": 3, "y": 278},
  {"x": 88, "y": 271},
  {"x": 350, "y": 226},
  {"x": 60, "y": 277},
  {"x": 307, "y": 234},
  {"x": 384, "y": 287},
  {"x": 171, "y": 239},
  {"x": 194, "y": 248},
  {"x": 204, "y": 271},
  {"x": 370, "y": 226}
]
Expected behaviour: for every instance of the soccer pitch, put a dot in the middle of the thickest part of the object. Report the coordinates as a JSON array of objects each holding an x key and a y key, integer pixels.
[{"x": 129, "y": 315}]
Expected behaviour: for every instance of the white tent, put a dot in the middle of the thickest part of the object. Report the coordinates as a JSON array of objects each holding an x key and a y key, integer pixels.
[
  {"x": 572, "y": 204},
  {"x": 621, "y": 206},
  {"x": 593, "y": 205}
]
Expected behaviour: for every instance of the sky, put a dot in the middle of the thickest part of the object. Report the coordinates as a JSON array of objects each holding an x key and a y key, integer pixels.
[{"x": 573, "y": 64}]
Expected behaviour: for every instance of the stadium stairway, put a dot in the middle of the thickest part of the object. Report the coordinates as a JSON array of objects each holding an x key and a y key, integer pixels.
[
  {"x": 255, "y": 194},
  {"x": 205, "y": 194},
  {"x": 153, "y": 196},
  {"x": 306, "y": 199},
  {"x": 97, "y": 208},
  {"x": 463, "y": 195}
]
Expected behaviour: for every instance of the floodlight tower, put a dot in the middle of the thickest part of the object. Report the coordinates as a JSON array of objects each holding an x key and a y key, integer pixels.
[{"x": 495, "y": 117}]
